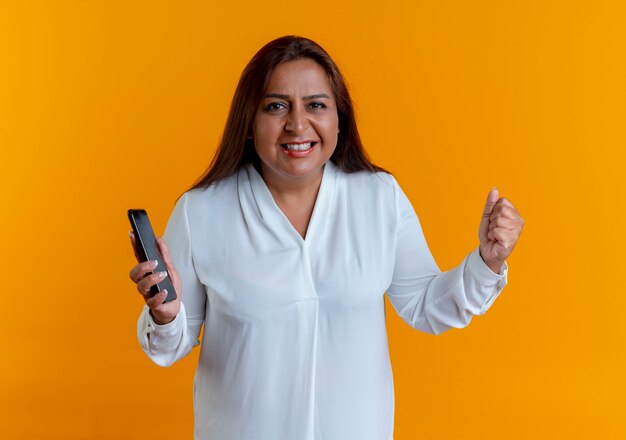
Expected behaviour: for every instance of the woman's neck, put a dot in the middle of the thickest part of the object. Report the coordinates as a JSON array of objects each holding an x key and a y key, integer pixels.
[
  {"x": 295, "y": 197},
  {"x": 289, "y": 188}
]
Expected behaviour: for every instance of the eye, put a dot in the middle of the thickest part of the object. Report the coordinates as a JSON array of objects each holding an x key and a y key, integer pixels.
[
  {"x": 273, "y": 106},
  {"x": 317, "y": 105}
]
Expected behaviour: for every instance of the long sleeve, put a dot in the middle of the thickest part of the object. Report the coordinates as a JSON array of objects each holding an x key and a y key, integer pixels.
[
  {"x": 165, "y": 344},
  {"x": 428, "y": 299}
]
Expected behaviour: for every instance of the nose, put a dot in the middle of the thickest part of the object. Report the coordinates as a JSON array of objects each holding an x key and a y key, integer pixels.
[{"x": 297, "y": 121}]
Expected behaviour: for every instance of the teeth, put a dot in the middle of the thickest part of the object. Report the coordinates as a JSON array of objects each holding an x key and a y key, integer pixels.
[{"x": 298, "y": 147}]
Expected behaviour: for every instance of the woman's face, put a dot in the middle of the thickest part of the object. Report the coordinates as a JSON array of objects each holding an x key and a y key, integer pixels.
[{"x": 296, "y": 124}]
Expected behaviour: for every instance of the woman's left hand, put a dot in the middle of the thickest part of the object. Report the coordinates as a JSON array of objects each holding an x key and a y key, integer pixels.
[{"x": 500, "y": 228}]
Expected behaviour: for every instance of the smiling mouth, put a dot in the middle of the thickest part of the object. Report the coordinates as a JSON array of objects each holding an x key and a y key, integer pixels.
[{"x": 298, "y": 147}]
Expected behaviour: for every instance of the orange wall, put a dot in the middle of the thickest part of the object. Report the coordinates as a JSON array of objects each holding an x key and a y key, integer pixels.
[{"x": 114, "y": 104}]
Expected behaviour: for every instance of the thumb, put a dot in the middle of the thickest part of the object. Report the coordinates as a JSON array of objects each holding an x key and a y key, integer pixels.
[{"x": 492, "y": 198}]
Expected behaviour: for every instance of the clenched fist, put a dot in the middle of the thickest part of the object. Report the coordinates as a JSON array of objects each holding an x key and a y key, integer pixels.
[{"x": 500, "y": 228}]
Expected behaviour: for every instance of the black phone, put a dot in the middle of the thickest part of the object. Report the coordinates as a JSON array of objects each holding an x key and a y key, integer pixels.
[{"x": 147, "y": 249}]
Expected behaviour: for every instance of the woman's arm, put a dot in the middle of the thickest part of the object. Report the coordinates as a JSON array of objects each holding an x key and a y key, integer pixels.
[
  {"x": 431, "y": 300},
  {"x": 167, "y": 343}
]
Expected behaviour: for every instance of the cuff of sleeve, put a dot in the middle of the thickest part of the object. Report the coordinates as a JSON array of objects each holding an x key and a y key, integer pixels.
[
  {"x": 157, "y": 338},
  {"x": 161, "y": 328},
  {"x": 491, "y": 283},
  {"x": 481, "y": 271}
]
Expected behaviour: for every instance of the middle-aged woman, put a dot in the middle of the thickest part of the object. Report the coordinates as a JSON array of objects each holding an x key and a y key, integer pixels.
[{"x": 284, "y": 249}]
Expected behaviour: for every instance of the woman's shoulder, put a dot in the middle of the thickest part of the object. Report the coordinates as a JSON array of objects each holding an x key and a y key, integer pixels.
[
  {"x": 213, "y": 195},
  {"x": 377, "y": 190},
  {"x": 367, "y": 180}
]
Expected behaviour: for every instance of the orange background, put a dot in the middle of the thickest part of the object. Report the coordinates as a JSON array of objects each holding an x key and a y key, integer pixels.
[{"x": 113, "y": 104}]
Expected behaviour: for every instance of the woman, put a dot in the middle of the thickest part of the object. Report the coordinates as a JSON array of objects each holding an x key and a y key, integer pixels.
[{"x": 283, "y": 251}]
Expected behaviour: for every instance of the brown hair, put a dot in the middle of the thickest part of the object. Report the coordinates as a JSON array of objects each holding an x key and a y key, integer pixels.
[{"x": 236, "y": 147}]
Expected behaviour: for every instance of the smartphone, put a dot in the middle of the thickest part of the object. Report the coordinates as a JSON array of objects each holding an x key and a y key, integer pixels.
[{"x": 147, "y": 249}]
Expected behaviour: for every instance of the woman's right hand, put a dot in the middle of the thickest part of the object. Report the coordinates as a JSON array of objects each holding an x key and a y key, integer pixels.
[{"x": 141, "y": 275}]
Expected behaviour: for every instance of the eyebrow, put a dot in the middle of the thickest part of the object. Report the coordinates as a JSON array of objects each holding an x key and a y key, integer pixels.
[{"x": 281, "y": 96}]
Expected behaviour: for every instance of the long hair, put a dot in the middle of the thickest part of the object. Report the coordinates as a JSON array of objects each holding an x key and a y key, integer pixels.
[{"x": 236, "y": 147}]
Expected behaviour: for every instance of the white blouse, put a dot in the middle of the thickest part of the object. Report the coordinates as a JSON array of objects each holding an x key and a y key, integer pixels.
[{"x": 294, "y": 344}]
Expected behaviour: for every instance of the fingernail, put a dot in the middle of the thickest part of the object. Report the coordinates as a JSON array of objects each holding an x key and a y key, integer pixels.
[
  {"x": 162, "y": 274},
  {"x": 130, "y": 234},
  {"x": 154, "y": 263}
]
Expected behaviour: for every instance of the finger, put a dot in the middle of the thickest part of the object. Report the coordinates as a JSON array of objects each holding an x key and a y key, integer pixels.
[
  {"x": 506, "y": 212},
  {"x": 145, "y": 284},
  {"x": 139, "y": 271},
  {"x": 503, "y": 222},
  {"x": 145, "y": 292},
  {"x": 505, "y": 207},
  {"x": 157, "y": 300},
  {"x": 502, "y": 236},
  {"x": 505, "y": 202},
  {"x": 508, "y": 225}
]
